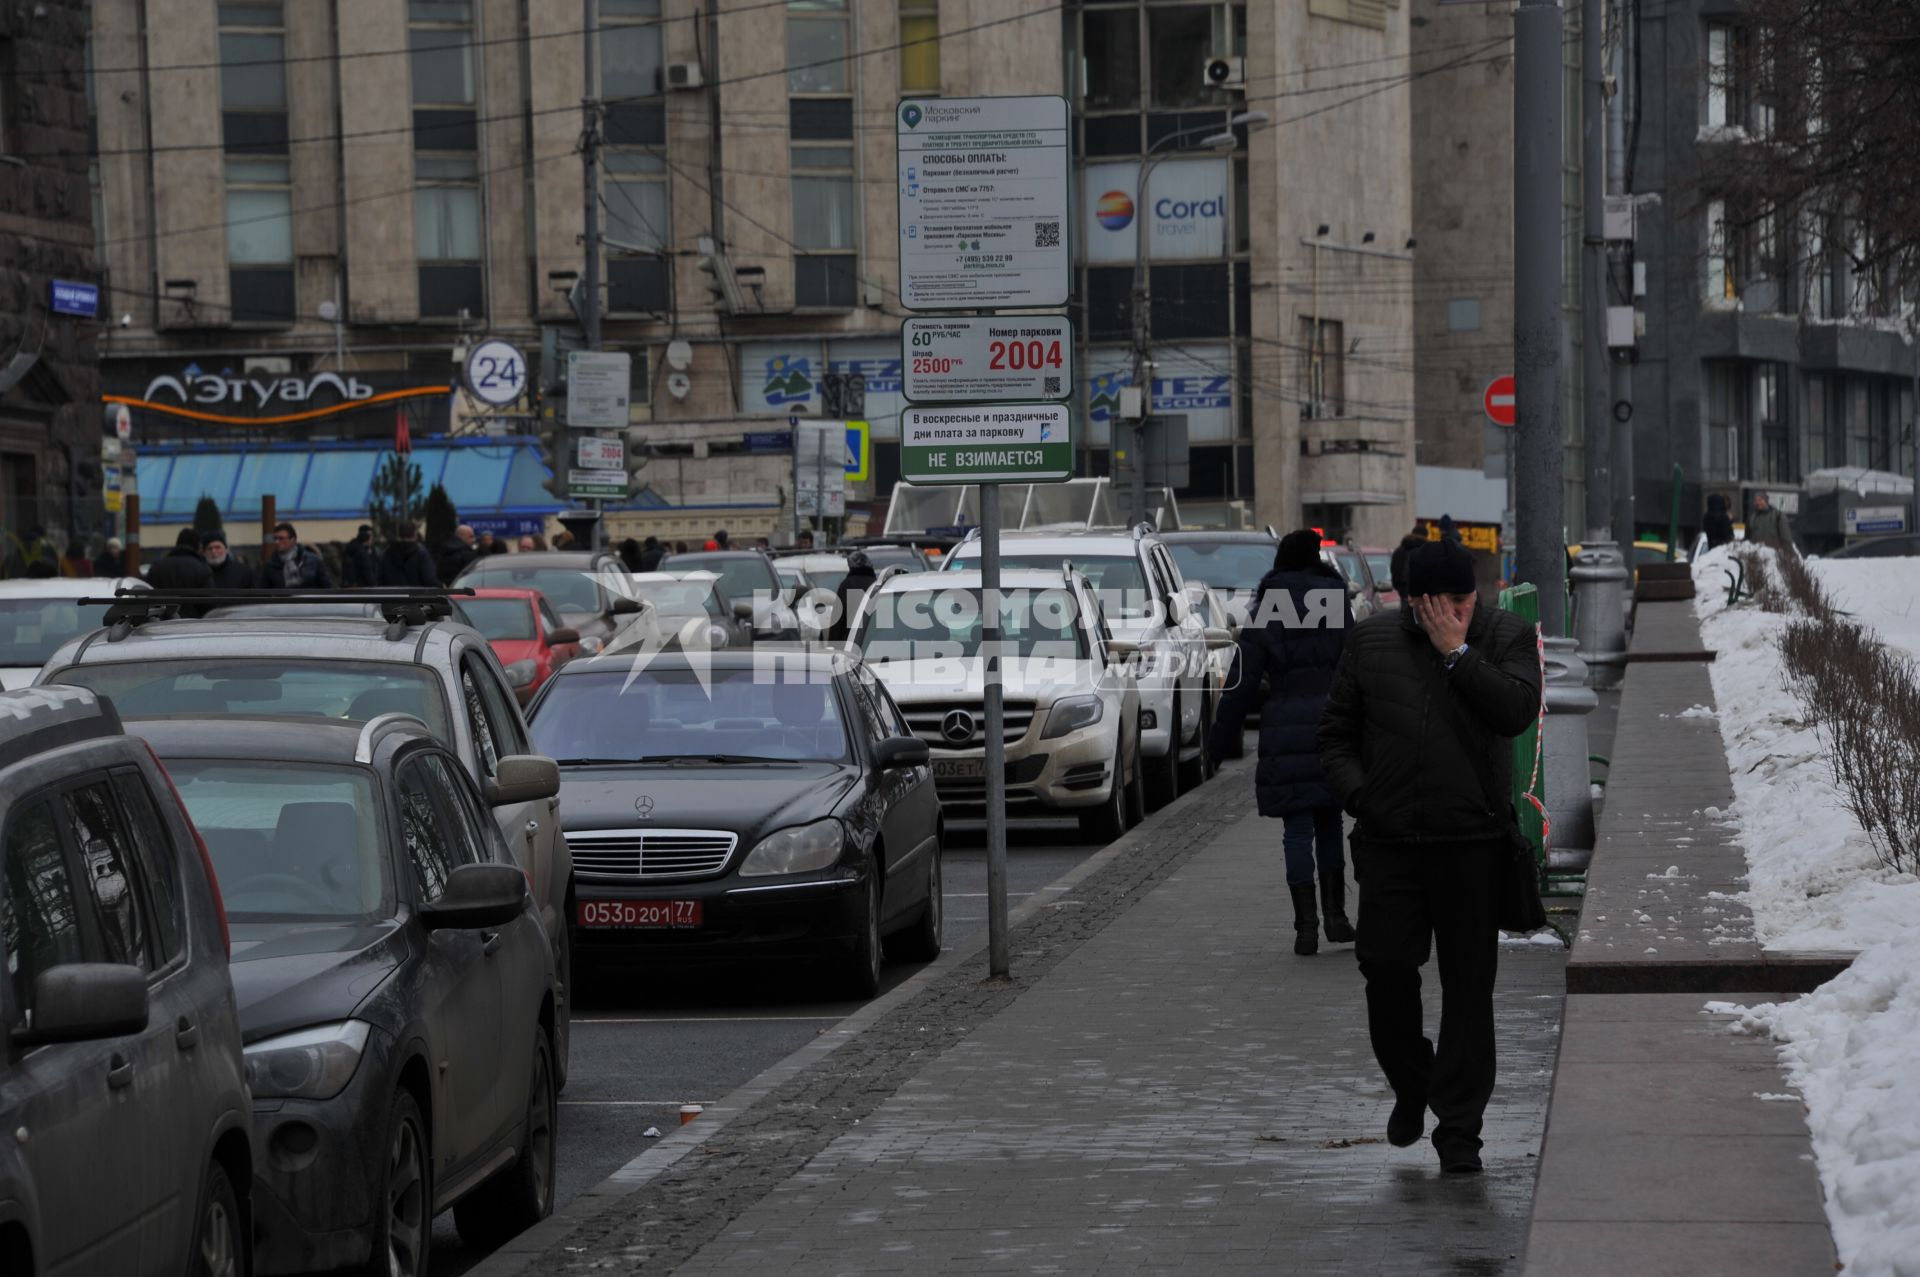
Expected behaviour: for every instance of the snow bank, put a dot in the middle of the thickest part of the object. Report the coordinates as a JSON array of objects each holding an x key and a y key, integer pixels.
[
  {"x": 1850, "y": 1048},
  {"x": 1815, "y": 882}
]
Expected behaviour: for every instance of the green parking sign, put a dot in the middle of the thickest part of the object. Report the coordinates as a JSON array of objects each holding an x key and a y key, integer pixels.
[{"x": 986, "y": 443}]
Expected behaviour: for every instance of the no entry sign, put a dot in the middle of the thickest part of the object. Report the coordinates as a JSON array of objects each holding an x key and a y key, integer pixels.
[{"x": 1499, "y": 401}]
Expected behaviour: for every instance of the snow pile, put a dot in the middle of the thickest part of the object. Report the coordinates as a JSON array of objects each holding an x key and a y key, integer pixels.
[
  {"x": 1815, "y": 882},
  {"x": 1850, "y": 1048}
]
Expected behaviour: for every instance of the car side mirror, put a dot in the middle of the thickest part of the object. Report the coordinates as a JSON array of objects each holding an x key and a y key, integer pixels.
[
  {"x": 1218, "y": 638},
  {"x": 523, "y": 778},
  {"x": 82, "y": 1001},
  {"x": 477, "y": 896},
  {"x": 743, "y": 609},
  {"x": 564, "y": 635},
  {"x": 901, "y": 751},
  {"x": 624, "y": 606}
]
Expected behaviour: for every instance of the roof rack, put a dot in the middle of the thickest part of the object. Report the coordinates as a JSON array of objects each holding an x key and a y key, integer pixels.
[{"x": 400, "y": 608}]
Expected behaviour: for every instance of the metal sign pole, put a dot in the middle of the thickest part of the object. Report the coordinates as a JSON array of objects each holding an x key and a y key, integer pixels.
[{"x": 995, "y": 763}]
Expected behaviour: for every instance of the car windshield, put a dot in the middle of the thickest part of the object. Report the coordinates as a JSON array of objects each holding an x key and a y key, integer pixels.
[
  {"x": 828, "y": 578},
  {"x": 741, "y": 576},
  {"x": 666, "y": 715},
  {"x": 1382, "y": 567},
  {"x": 1225, "y": 565},
  {"x": 569, "y": 589},
  {"x": 679, "y": 598},
  {"x": 31, "y": 630},
  {"x": 1115, "y": 578},
  {"x": 509, "y": 619},
  {"x": 1351, "y": 568},
  {"x": 933, "y": 624},
  {"x": 224, "y": 685},
  {"x": 288, "y": 841}
]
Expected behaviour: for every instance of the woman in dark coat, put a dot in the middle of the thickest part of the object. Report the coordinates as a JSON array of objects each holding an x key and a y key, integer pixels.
[
  {"x": 1293, "y": 640},
  {"x": 1716, "y": 522}
]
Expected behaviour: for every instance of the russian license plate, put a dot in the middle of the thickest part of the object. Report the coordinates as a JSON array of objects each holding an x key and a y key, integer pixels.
[
  {"x": 641, "y": 913},
  {"x": 959, "y": 768}
]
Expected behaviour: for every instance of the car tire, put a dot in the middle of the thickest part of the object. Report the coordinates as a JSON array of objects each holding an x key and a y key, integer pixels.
[
  {"x": 1193, "y": 771},
  {"x": 1163, "y": 773},
  {"x": 863, "y": 964},
  {"x": 1208, "y": 768},
  {"x": 220, "y": 1243},
  {"x": 922, "y": 941},
  {"x": 403, "y": 1197},
  {"x": 1107, "y": 822},
  {"x": 1136, "y": 790},
  {"x": 522, "y": 1195}
]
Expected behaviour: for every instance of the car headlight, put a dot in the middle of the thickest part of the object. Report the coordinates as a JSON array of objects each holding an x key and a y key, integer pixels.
[
  {"x": 521, "y": 673},
  {"x": 312, "y": 1064},
  {"x": 718, "y": 636},
  {"x": 590, "y": 645},
  {"x": 1071, "y": 714},
  {"x": 796, "y": 850}
]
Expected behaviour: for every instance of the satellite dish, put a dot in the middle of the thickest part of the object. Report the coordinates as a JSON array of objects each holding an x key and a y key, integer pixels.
[
  {"x": 328, "y": 310},
  {"x": 678, "y": 384},
  {"x": 679, "y": 354}
]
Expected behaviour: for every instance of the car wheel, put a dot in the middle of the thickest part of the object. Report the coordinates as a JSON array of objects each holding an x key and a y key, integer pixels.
[
  {"x": 220, "y": 1240},
  {"x": 403, "y": 1204},
  {"x": 863, "y": 964},
  {"x": 1209, "y": 768},
  {"x": 522, "y": 1195},
  {"x": 1136, "y": 790},
  {"x": 922, "y": 941},
  {"x": 1105, "y": 823},
  {"x": 1163, "y": 773},
  {"x": 1193, "y": 771}
]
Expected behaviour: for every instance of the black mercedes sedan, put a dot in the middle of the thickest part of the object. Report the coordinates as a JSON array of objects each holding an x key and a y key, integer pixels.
[
  {"x": 761, "y": 804},
  {"x": 396, "y": 989}
]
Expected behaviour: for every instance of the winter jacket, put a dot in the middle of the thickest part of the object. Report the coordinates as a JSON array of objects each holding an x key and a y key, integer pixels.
[
  {"x": 357, "y": 564},
  {"x": 650, "y": 557},
  {"x": 1294, "y": 638},
  {"x": 407, "y": 564},
  {"x": 1406, "y": 742},
  {"x": 852, "y": 588},
  {"x": 110, "y": 563},
  {"x": 231, "y": 574},
  {"x": 309, "y": 572},
  {"x": 180, "y": 569},
  {"x": 1716, "y": 523},
  {"x": 454, "y": 557},
  {"x": 1769, "y": 527}
]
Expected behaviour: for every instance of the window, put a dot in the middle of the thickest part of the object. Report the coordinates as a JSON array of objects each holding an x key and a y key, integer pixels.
[
  {"x": 446, "y": 161},
  {"x": 1323, "y": 350},
  {"x": 1776, "y": 460},
  {"x": 1463, "y": 315},
  {"x": 920, "y": 46},
  {"x": 632, "y": 73},
  {"x": 1721, "y": 282},
  {"x": 106, "y": 861},
  {"x": 1726, "y": 411},
  {"x": 473, "y": 841},
  {"x": 634, "y": 197},
  {"x": 1179, "y": 42},
  {"x": 1363, "y": 13},
  {"x": 39, "y": 916},
  {"x": 1859, "y": 424},
  {"x": 817, "y": 46},
  {"x": 159, "y": 865},
  {"x": 1816, "y": 422},
  {"x": 253, "y": 78},
  {"x": 260, "y": 239},
  {"x": 433, "y": 855},
  {"x": 1816, "y": 264},
  {"x": 1722, "y": 109},
  {"x": 1110, "y": 59},
  {"x": 823, "y": 226},
  {"x": 507, "y": 735},
  {"x": 478, "y": 723}
]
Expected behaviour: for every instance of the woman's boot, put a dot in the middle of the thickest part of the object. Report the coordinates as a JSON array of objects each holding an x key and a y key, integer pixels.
[
  {"x": 1333, "y": 901},
  {"x": 1306, "y": 923}
]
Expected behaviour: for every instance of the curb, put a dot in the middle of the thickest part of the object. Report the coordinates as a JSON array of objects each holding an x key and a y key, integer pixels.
[{"x": 519, "y": 1254}]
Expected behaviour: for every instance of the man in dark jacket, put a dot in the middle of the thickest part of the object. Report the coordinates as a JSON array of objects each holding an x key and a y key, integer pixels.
[
  {"x": 356, "y": 562},
  {"x": 852, "y": 588},
  {"x": 1293, "y": 639},
  {"x": 1415, "y": 745},
  {"x": 651, "y": 552},
  {"x": 229, "y": 573},
  {"x": 182, "y": 567},
  {"x": 111, "y": 561},
  {"x": 406, "y": 563},
  {"x": 1768, "y": 526},
  {"x": 293, "y": 566},
  {"x": 456, "y": 554}
]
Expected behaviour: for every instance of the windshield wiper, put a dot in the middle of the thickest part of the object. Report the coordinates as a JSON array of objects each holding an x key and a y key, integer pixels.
[{"x": 712, "y": 758}]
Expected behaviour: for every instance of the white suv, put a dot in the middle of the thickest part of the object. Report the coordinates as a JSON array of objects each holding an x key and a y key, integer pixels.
[
  {"x": 1072, "y": 727},
  {"x": 1143, "y": 597}
]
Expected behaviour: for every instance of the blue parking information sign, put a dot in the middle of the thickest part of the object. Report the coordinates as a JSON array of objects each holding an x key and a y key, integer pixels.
[{"x": 71, "y": 298}]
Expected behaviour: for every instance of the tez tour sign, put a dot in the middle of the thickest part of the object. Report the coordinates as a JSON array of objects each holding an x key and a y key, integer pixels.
[{"x": 996, "y": 443}]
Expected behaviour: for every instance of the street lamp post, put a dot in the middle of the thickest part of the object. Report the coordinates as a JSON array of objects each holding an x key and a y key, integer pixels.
[{"x": 1221, "y": 143}]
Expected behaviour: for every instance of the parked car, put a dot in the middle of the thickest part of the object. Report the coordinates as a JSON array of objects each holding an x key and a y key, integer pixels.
[
  {"x": 826, "y": 570},
  {"x": 1351, "y": 564},
  {"x": 583, "y": 588},
  {"x": 37, "y": 616},
  {"x": 343, "y": 668},
  {"x": 1230, "y": 562},
  {"x": 122, "y": 1087},
  {"x": 1142, "y": 598},
  {"x": 1380, "y": 567},
  {"x": 1211, "y": 607},
  {"x": 1072, "y": 710},
  {"x": 397, "y": 993},
  {"x": 744, "y": 575},
  {"x": 724, "y": 812},
  {"x": 1878, "y": 548},
  {"x": 680, "y": 597},
  {"x": 525, "y": 633}
]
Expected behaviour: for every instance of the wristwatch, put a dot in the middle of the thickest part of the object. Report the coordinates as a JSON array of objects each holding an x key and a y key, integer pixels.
[{"x": 1453, "y": 658}]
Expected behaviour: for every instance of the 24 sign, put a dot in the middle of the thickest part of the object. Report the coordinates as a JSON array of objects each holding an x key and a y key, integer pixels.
[{"x": 496, "y": 372}]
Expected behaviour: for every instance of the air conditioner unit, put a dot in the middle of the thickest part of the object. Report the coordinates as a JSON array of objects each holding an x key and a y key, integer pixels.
[
  {"x": 1225, "y": 73},
  {"x": 684, "y": 75}
]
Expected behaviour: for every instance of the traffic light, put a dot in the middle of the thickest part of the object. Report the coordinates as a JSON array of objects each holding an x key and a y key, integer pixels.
[
  {"x": 639, "y": 456},
  {"x": 724, "y": 286},
  {"x": 556, "y": 454}
]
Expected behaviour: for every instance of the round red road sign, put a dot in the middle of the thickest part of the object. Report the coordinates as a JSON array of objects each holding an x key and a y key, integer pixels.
[{"x": 1499, "y": 401}]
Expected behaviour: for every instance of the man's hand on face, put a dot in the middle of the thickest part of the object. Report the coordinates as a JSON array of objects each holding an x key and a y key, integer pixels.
[{"x": 1444, "y": 617}]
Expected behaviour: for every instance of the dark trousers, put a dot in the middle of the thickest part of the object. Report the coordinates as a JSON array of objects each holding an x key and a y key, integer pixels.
[
  {"x": 1408, "y": 897},
  {"x": 1308, "y": 837}
]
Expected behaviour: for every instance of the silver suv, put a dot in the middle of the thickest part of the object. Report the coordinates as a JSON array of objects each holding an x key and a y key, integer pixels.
[{"x": 332, "y": 667}]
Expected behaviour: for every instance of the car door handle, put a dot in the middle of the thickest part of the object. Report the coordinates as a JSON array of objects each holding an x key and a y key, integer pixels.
[
  {"x": 186, "y": 1035},
  {"x": 489, "y": 941},
  {"x": 119, "y": 1072}
]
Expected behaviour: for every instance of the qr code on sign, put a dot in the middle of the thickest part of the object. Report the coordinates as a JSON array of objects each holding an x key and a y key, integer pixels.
[
  {"x": 1046, "y": 234},
  {"x": 1050, "y": 385}
]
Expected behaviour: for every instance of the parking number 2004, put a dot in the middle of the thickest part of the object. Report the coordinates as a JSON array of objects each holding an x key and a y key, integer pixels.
[{"x": 1022, "y": 355}]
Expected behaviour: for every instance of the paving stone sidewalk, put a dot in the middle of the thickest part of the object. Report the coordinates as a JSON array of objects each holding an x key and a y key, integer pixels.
[{"x": 1180, "y": 1093}]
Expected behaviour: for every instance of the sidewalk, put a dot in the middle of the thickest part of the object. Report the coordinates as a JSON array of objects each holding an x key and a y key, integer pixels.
[{"x": 1167, "y": 1088}]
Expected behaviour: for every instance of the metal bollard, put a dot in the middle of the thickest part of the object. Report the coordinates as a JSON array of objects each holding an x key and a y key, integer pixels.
[
  {"x": 1569, "y": 786},
  {"x": 1600, "y": 620}
]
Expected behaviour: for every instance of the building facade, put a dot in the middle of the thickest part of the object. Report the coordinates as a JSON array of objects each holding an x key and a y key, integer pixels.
[
  {"x": 51, "y": 476},
  {"x": 279, "y": 208}
]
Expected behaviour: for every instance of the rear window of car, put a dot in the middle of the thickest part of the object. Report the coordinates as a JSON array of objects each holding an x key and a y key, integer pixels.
[
  {"x": 251, "y": 687},
  {"x": 509, "y": 619},
  {"x": 569, "y": 589},
  {"x": 31, "y": 630},
  {"x": 659, "y": 715},
  {"x": 741, "y": 577},
  {"x": 1226, "y": 565},
  {"x": 682, "y": 598}
]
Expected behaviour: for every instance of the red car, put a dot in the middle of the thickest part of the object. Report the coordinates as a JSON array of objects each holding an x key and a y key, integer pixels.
[{"x": 525, "y": 633}]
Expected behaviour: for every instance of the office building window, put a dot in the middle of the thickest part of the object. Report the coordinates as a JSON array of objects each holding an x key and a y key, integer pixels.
[
  {"x": 1722, "y": 85},
  {"x": 1323, "y": 357},
  {"x": 1859, "y": 424},
  {"x": 1816, "y": 264},
  {"x": 1179, "y": 42},
  {"x": 253, "y": 78},
  {"x": 920, "y": 46},
  {"x": 1362, "y": 13},
  {"x": 637, "y": 232},
  {"x": 260, "y": 239},
  {"x": 817, "y": 39},
  {"x": 632, "y": 73},
  {"x": 1725, "y": 411},
  {"x": 1814, "y": 389},
  {"x": 446, "y": 161},
  {"x": 1722, "y": 281},
  {"x": 1110, "y": 59},
  {"x": 824, "y": 232}
]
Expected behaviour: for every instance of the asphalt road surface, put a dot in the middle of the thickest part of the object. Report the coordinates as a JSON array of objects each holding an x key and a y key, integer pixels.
[{"x": 643, "y": 1047}]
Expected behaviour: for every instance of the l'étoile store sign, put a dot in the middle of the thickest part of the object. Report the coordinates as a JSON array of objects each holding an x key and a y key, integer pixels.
[{"x": 170, "y": 399}]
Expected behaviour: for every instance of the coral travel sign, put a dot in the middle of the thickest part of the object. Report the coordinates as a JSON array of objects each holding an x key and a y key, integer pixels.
[
  {"x": 998, "y": 443},
  {"x": 983, "y": 202}
]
